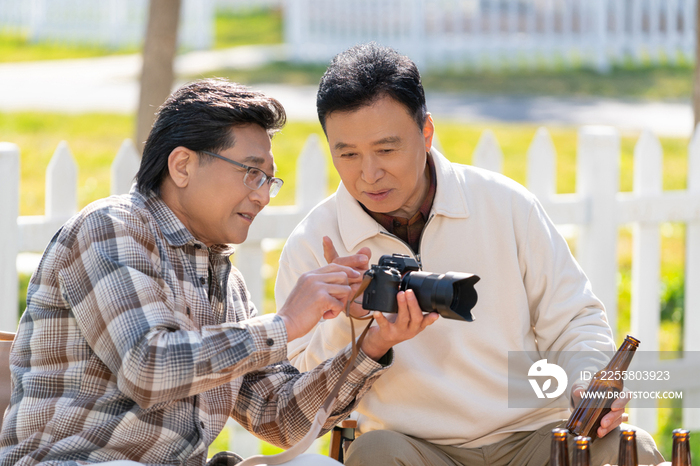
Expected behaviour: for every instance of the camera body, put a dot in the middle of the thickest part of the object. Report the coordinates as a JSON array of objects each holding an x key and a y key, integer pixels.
[{"x": 452, "y": 294}]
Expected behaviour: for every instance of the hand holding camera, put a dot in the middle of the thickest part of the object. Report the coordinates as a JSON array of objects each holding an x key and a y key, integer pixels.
[{"x": 399, "y": 287}]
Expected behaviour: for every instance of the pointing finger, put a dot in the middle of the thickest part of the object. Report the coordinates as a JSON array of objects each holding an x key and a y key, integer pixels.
[
  {"x": 329, "y": 251},
  {"x": 367, "y": 252}
]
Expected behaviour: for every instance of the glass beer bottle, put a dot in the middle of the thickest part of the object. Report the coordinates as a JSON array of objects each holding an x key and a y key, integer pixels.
[
  {"x": 585, "y": 419},
  {"x": 681, "y": 448},
  {"x": 627, "y": 455},
  {"x": 582, "y": 451},
  {"x": 559, "y": 453}
]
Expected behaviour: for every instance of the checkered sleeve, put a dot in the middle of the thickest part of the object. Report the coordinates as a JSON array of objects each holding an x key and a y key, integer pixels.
[
  {"x": 279, "y": 404},
  {"x": 112, "y": 280}
]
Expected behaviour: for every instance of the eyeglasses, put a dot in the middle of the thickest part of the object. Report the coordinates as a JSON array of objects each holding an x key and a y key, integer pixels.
[{"x": 254, "y": 177}]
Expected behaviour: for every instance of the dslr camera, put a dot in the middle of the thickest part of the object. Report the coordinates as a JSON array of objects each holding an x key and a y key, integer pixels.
[{"x": 451, "y": 294}]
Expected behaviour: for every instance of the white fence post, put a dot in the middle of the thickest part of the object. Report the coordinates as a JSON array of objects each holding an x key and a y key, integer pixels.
[
  {"x": 602, "y": 62},
  {"x": 312, "y": 174},
  {"x": 417, "y": 33},
  {"x": 542, "y": 166},
  {"x": 9, "y": 235},
  {"x": 124, "y": 168},
  {"x": 598, "y": 180},
  {"x": 691, "y": 324},
  {"x": 61, "y": 183},
  {"x": 646, "y": 260},
  {"x": 249, "y": 259},
  {"x": 646, "y": 256},
  {"x": 487, "y": 153},
  {"x": 688, "y": 41},
  {"x": 296, "y": 16}
]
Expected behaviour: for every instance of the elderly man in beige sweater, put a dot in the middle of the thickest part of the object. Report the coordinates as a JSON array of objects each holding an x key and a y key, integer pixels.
[{"x": 446, "y": 400}]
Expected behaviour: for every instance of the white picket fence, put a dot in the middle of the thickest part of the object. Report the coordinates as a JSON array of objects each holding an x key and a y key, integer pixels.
[
  {"x": 497, "y": 33},
  {"x": 597, "y": 209},
  {"x": 110, "y": 23},
  {"x": 235, "y": 6}
]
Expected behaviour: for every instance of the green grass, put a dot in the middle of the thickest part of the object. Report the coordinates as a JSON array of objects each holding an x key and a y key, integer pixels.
[
  {"x": 280, "y": 72},
  {"x": 95, "y": 138},
  {"x": 221, "y": 443},
  {"x": 255, "y": 26},
  {"x": 15, "y": 47},
  {"x": 652, "y": 83}
]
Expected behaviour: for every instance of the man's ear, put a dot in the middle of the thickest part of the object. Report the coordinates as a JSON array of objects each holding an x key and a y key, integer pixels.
[
  {"x": 181, "y": 163},
  {"x": 428, "y": 132}
]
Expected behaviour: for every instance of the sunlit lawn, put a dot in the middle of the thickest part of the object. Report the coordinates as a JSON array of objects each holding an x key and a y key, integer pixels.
[
  {"x": 250, "y": 26},
  {"x": 15, "y": 47}
]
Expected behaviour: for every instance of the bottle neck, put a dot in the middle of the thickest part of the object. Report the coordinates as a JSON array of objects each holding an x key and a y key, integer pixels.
[
  {"x": 628, "y": 448},
  {"x": 582, "y": 452},
  {"x": 623, "y": 357},
  {"x": 681, "y": 448},
  {"x": 559, "y": 454}
]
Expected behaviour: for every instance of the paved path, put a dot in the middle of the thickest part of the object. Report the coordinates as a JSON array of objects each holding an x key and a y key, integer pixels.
[{"x": 110, "y": 84}]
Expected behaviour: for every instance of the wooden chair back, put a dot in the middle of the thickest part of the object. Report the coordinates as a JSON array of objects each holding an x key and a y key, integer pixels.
[
  {"x": 6, "y": 339},
  {"x": 342, "y": 436}
]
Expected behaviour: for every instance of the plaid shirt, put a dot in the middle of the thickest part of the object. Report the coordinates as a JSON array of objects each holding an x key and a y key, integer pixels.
[{"x": 139, "y": 342}]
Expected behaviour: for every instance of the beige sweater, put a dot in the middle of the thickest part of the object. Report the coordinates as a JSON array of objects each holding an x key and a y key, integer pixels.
[{"x": 450, "y": 384}]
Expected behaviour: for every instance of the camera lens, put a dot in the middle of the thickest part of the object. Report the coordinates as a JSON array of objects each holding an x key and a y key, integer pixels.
[{"x": 452, "y": 295}]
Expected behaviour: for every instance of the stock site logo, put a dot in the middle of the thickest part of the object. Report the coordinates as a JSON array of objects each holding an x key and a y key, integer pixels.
[{"x": 543, "y": 369}]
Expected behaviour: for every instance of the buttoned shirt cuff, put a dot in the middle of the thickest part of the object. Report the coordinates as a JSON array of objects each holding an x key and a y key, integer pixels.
[
  {"x": 366, "y": 367},
  {"x": 269, "y": 337}
]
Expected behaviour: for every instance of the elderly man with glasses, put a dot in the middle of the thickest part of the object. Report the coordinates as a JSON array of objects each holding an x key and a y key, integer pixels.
[{"x": 139, "y": 339}]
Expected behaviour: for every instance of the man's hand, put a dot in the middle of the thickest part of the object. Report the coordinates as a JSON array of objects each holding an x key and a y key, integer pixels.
[
  {"x": 409, "y": 322},
  {"x": 358, "y": 262},
  {"x": 320, "y": 293},
  {"x": 613, "y": 419}
]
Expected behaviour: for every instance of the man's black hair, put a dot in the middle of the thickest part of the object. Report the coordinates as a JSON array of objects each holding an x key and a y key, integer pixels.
[
  {"x": 364, "y": 73},
  {"x": 200, "y": 116}
]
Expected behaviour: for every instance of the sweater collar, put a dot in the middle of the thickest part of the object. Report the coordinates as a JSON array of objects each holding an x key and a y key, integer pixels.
[{"x": 356, "y": 225}]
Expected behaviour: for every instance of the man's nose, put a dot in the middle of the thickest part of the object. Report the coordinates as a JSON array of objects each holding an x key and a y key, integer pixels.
[
  {"x": 261, "y": 195},
  {"x": 371, "y": 170}
]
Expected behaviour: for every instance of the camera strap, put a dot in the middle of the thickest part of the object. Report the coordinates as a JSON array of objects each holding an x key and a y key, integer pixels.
[{"x": 327, "y": 406}]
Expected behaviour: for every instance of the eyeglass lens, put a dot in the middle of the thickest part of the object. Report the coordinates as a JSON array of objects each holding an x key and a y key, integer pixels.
[{"x": 254, "y": 179}]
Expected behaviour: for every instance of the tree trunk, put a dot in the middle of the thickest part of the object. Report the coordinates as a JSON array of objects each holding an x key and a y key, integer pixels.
[
  {"x": 696, "y": 78},
  {"x": 157, "y": 73}
]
